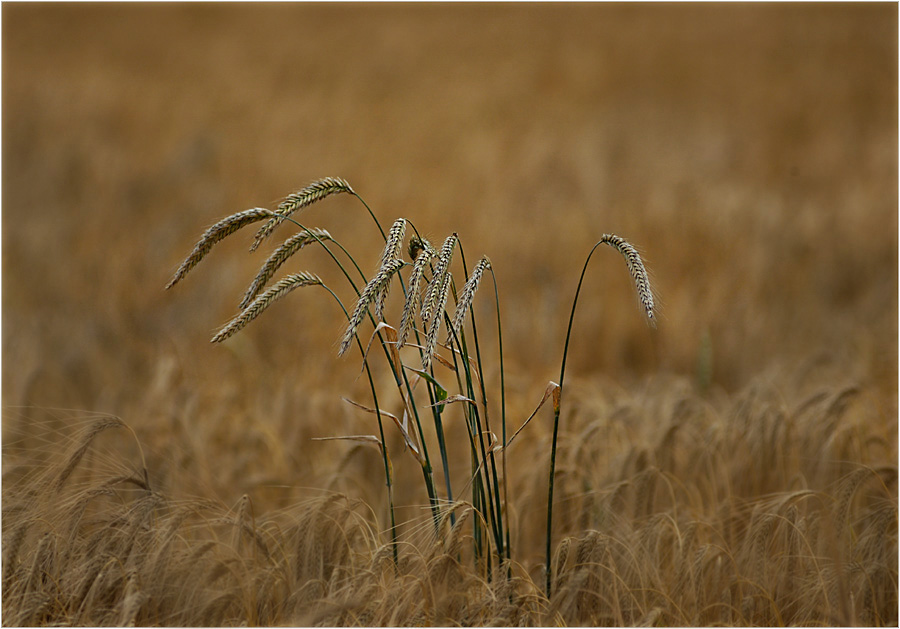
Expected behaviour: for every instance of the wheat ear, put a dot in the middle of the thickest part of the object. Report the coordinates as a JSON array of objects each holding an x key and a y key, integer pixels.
[
  {"x": 316, "y": 191},
  {"x": 74, "y": 458},
  {"x": 437, "y": 281},
  {"x": 256, "y": 307},
  {"x": 214, "y": 234},
  {"x": 290, "y": 246},
  {"x": 391, "y": 252},
  {"x": 637, "y": 270},
  {"x": 376, "y": 284},
  {"x": 468, "y": 293},
  {"x": 435, "y": 326},
  {"x": 425, "y": 253},
  {"x": 394, "y": 242}
]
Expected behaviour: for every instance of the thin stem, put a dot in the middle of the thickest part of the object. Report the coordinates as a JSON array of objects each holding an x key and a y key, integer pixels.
[
  {"x": 556, "y": 410},
  {"x": 442, "y": 445},
  {"x": 486, "y": 503},
  {"x": 471, "y": 429},
  {"x": 502, "y": 407},
  {"x": 372, "y": 214}
]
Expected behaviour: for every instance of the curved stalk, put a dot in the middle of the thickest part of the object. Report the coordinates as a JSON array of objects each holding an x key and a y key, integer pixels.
[{"x": 606, "y": 239}]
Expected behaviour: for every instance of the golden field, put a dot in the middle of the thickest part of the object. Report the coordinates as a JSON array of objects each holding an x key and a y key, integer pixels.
[{"x": 736, "y": 465}]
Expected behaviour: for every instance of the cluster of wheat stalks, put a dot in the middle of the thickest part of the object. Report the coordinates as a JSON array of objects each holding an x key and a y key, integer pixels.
[{"x": 427, "y": 290}]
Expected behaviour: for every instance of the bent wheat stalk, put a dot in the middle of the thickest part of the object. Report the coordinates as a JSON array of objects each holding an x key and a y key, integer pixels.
[
  {"x": 642, "y": 284},
  {"x": 316, "y": 191}
]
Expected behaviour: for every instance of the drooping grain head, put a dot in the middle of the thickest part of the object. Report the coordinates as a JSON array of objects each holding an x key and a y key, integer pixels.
[
  {"x": 394, "y": 242},
  {"x": 392, "y": 247},
  {"x": 290, "y": 246},
  {"x": 638, "y": 272},
  {"x": 468, "y": 293},
  {"x": 258, "y": 305},
  {"x": 78, "y": 454},
  {"x": 316, "y": 191},
  {"x": 435, "y": 323},
  {"x": 366, "y": 298},
  {"x": 437, "y": 281},
  {"x": 214, "y": 234},
  {"x": 425, "y": 253}
]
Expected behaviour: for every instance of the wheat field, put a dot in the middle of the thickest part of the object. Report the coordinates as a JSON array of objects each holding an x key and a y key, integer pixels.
[{"x": 734, "y": 464}]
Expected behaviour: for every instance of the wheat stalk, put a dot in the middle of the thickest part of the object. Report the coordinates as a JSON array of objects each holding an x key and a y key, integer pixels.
[
  {"x": 392, "y": 245},
  {"x": 278, "y": 290},
  {"x": 376, "y": 284},
  {"x": 642, "y": 283},
  {"x": 424, "y": 253},
  {"x": 468, "y": 293},
  {"x": 316, "y": 191},
  {"x": 214, "y": 234},
  {"x": 290, "y": 246}
]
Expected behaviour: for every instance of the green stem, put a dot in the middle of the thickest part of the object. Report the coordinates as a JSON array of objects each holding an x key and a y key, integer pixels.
[
  {"x": 471, "y": 428},
  {"x": 372, "y": 214},
  {"x": 442, "y": 445},
  {"x": 556, "y": 410},
  {"x": 502, "y": 408}
]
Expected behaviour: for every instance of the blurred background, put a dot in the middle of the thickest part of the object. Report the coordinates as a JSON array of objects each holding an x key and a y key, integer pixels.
[{"x": 748, "y": 150}]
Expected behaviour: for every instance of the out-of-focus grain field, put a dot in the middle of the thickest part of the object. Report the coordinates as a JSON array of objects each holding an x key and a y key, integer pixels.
[{"x": 737, "y": 465}]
